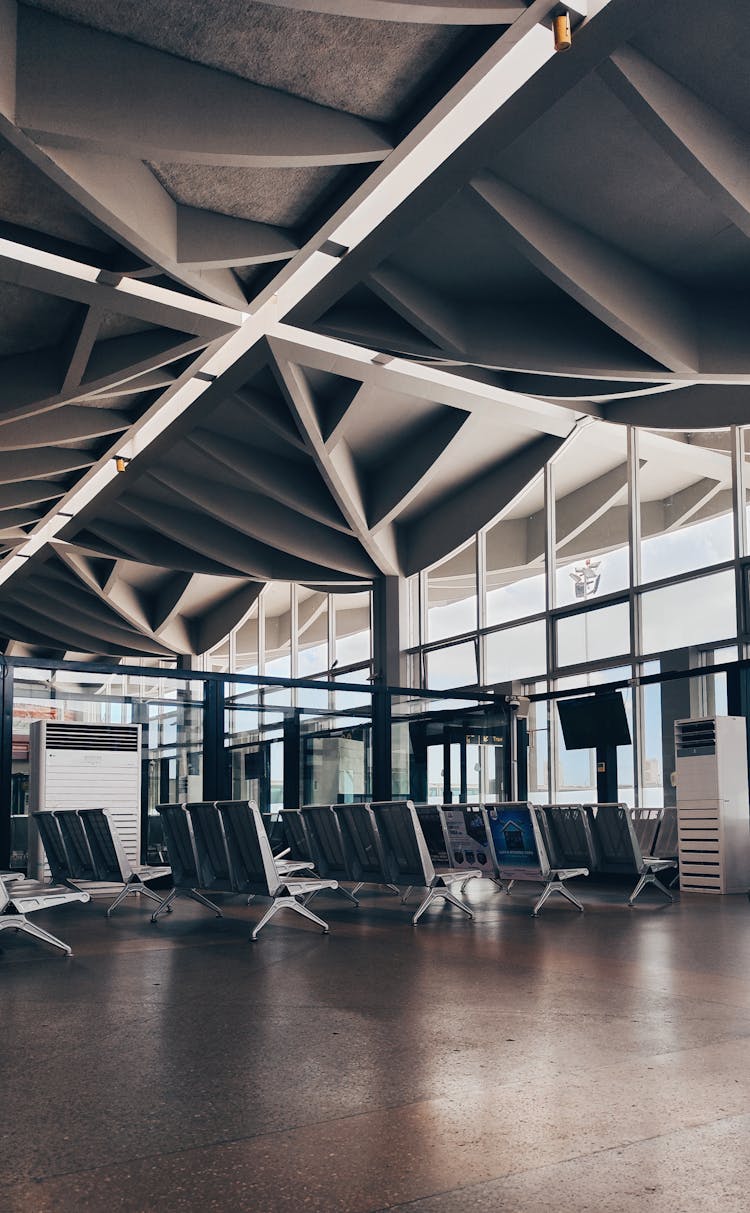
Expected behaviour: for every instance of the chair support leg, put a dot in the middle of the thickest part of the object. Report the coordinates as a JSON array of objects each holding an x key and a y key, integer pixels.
[
  {"x": 165, "y": 905},
  {"x": 205, "y": 902},
  {"x": 432, "y": 895},
  {"x": 21, "y": 923},
  {"x": 126, "y": 888},
  {"x": 149, "y": 894},
  {"x": 407, "y": 895},
  {"x": 649, "y": 878},
  {"x": 292, "y": 904}
]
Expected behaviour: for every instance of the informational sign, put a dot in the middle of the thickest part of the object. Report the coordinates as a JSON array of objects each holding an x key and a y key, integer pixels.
[
  {"x": 513, "y": 836},
  {"x": 467, "y": 838}
]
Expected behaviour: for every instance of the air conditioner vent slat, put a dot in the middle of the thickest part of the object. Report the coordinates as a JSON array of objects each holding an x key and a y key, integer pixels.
[{"x": 92, "y": 737}]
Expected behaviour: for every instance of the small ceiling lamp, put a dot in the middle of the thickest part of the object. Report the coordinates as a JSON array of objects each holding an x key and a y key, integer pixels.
[
  {"x": 121, "y": 462},
  {"x": 561, "y": 30}
]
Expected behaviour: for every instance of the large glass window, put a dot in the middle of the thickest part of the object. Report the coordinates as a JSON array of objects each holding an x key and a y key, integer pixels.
[
  {"x": 455, "y": 666},
  {"x": 312, "y": 632},
  {"x": 277, "y": 608},
  {"x": 352, "y": 627},
  {"x": 452, "y": 595},
  {"x": 685, "y": 491},
  {"x": 591, "y": 515},
  {"x": 515, "y": 576},
  {"x": 689, "y": 613},
  {"x": 516, "y": 654},
  {"x": 246, "y": 644},
  {"x": 593, "y": 635}
]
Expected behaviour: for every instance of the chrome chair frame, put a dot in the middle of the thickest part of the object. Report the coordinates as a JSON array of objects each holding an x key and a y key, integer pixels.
[
  {"x": 547, "y": 871},
  {"x": 25, "y": 897},
  {"x": 254, "y": 870}
]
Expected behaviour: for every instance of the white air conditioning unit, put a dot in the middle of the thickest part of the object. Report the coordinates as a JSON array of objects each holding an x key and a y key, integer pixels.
[
  {"x": 85, "y": 766},
  {"x": 713, "y": 814}
]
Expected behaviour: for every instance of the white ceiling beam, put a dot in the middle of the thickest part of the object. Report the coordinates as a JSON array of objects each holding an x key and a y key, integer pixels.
[{"x": 644, "y": 309}]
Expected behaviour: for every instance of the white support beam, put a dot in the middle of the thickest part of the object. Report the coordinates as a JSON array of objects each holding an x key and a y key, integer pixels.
[
  {"x": 82, "y": 88},
  {"x": 706, "y": 145},
  {"x": 636, "y": 303}
]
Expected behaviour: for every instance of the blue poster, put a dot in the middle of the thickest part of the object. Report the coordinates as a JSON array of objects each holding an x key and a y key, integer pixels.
[{"x": 513, "y": 837}]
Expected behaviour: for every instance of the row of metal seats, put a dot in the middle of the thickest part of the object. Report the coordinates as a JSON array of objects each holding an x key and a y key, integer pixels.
[
  {"x": 378, "y": 843},
  {"x": 83, "y": 847},
  {"x": 551, "y": 843},
  {"x": 222, "y": 847}
]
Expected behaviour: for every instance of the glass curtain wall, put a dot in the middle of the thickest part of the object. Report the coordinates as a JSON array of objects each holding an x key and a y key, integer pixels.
[
  {"x": 626, "y": 560},
  {"x": 169, "y": 711}
]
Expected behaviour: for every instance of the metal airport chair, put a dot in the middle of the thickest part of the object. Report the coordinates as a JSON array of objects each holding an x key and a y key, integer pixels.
[
  {"x": 469, "y": 848},
  {"x": 111, "y": 864},
  {"x": 299, "y": 846},
  {"x": 178, "y": 835},
  {"x": 330, "y": 856},
  {"x": 646, "y": 824},
  {"x": 214, "y": 867},
  {"x": 406, "y": 859},
  {"x": 18, "y": 899},
  {"x": 519, "y": 853},
  {"x": 567, "y": 836},
  {"x": 361, "y": 846},
  {"x": 254, "y": 869},
  {"x": 54, "y": 848},
  {"x": 665, "y": 845},
  {"x": 617, "y": 848},
  {"x": 76, "y": 845}
]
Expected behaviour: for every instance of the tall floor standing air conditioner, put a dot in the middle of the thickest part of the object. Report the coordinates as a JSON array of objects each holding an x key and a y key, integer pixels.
[
  {"x": 713, "y": 815},
  {"x": 85, "y": 766}
]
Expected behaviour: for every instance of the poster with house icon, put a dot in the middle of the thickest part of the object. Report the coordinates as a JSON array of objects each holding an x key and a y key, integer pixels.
[{"x": 513, "y": 836}]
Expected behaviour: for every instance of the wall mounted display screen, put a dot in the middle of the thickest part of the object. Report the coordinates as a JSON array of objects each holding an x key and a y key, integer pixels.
[
  {"x": 513, "y": 837},
  {"x": 594, "y": 720},
  {"x": 467, "y": 838}
]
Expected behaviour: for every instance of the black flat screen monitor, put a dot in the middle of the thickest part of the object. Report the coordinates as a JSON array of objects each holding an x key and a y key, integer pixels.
[{"x": 594, "y": 721}]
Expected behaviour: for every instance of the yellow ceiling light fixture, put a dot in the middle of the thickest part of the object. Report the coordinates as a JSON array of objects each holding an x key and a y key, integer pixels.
[
  {"x": 121, "y": 462},
  {"x": 561, "y": 30}
]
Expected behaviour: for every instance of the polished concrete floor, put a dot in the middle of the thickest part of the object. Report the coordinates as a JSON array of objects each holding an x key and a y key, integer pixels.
[{"x": 597, "y": 1063}]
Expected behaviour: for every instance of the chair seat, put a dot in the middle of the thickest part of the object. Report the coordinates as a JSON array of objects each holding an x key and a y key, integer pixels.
[
  {"x": 297, "y": 886},
  {"x": 287, "y": 867},
  {"x": 449, "y": 875},
  {"x": 32, "y": 895},
  {"x": 148, "y": 872},
  {"x": 652, "y": 864}
]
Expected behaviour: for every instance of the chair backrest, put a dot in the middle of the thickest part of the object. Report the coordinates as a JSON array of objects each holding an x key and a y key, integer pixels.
[
  {"x": 107, "y": 852},
  {"x": 329, "y": 854},
  {"x": 646, "y": 826},
  {"x": 517, "y": 845},
  {"x": 296, "y": 836},
  {"x": 466, "y": 832},
  {"x": 568, "y": 836},
  {"x": 82, "y": 866},
  {"x": 214, "y": 866},
  {"x": 432, "y": 821},
  {"x": 361, "y": 842},
  {"x": 178, "y": 836},
  {"x": 405, "y": 853},
  {"x": 665, "y": 843},
  {"x": 248, "y": 848},
  {"x": 54, "y": 846},
  {"x": 617, "y": 849}
]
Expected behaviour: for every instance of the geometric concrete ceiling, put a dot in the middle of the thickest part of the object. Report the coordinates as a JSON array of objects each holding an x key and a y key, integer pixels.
[{"x": 339, "y": 285}]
